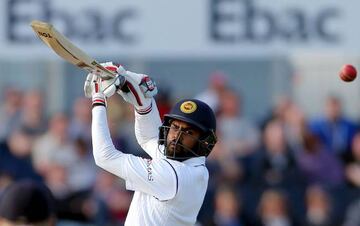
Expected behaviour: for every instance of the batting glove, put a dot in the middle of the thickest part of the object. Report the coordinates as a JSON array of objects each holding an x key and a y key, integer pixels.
[
  {"x": 138, "y": 90},
  {"x": 110, "y": 86},
  {"x": 93, "y": 90}
]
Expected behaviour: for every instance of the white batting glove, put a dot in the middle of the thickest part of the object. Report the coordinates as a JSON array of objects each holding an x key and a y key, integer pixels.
[
  {"x": 108, "y": 87},
  {"x": 138, "y": 90},
  {"x": 93, "y": 90}
]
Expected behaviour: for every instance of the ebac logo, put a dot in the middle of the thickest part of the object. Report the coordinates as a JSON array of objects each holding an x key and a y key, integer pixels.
[
  {"x": 100, "y": 25},
  {"x": 248, "y": 22}
]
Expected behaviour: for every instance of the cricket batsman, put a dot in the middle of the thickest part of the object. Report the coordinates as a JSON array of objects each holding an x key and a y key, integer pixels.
[{"x": 170, "y": 187}]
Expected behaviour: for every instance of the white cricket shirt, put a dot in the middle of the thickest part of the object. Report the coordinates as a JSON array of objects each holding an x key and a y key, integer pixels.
[{"x": 167, "y": 192}]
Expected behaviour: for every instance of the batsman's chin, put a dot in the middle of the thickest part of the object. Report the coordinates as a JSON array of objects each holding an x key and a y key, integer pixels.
[{"x": 171, "y": 149}]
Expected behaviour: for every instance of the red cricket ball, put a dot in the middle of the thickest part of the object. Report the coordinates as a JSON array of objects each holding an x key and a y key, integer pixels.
[{"x": 348, "y": 73}]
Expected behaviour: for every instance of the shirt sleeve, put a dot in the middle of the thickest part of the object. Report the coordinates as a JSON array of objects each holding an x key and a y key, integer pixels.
[
  {"x": 147, "y": 131},
  {"x": 154, "y": 177}
]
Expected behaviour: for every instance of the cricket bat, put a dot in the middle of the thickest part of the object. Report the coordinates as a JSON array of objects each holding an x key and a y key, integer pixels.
[{"x": 68, "y": 51}]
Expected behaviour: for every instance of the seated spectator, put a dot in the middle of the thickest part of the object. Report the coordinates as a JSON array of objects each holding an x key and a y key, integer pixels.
[
  {"x": 56, "y": 178},
  {"x": 81, "y": 173},
  {"x": 227, "y": 207},
  {"x": 294, "y": 125},
  {"x": 352, "y": 169},
  {"x": 9, "y": 112},
  {"x": 15, "y": 157},
  {"x": 352, "y": 216},
  {"x": 317, "y": 164},
  {"x": 274, "y": 164},
  {"x": 32, "y": 118},
  {"x": 113, "y": 193},
  {"x": 318, "y": 207},
  {"x": 27, "y": 203},
  {"x": 125, "y": 131},
  {"x": 55, "y": 146},
  {"x": 80, "y": 121},
  {"x": 273, "y": 209},
  {"x": 5, "y": 180},
  {"x": 116, "y": 120}
]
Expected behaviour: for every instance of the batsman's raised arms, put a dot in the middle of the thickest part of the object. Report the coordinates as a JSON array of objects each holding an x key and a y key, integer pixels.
[{"x": 65, "y": 49}]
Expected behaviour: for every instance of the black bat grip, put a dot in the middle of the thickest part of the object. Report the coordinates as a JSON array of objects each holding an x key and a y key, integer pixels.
[{"x": 122, "y": 84}]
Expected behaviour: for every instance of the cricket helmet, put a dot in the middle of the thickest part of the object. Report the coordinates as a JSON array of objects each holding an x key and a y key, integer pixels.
[{"x": 197, "y": 114}]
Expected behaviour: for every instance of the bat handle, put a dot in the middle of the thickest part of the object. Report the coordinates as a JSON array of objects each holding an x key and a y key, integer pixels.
[{"x": 121, "y": 85}]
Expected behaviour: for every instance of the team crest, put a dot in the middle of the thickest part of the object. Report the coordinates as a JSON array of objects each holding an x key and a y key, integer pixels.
[{"x": 188, "y": 107}]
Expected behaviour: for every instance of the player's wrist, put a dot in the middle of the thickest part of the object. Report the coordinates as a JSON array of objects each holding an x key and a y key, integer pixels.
[
  {"x": 99, "y": 99},
  {"x": 144, "y": 110}
]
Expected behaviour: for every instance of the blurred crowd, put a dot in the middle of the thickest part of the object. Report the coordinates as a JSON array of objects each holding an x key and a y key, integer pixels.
[{"x": 282, "y": 170}]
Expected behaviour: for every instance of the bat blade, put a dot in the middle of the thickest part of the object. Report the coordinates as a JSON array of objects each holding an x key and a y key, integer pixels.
[{"x": 67, "y": 50}]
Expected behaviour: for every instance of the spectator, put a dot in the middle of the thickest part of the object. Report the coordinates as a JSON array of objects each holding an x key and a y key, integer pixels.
[
  {"x": 56, "y": 178},
  {"x": 317, "y": 164},
  {"x": 15, "y": 157},
  {"x": 295, "y": 124},
  {"x": 334, "y": 129},
  {"x": 278, "y": 111},
  {"x": 32, "y": 118},
  {"x": 118, "y": 122},
  {"x": 55, "y": 145},
  {"x": 352, "y": 169},
  {"x": 113, "y": 193},
  {"x": 273, "y": 209},
  {"x": 238, "y": 136},
  {"x": 274, "y": 164},
  {"x": 80, "y": 121},
  {"x": 126, "y": 129},
  {"x": 217, "y": 84},
  {"x": 27, "y": 203},
  {"x": 227, "y": 207},
  {"x": 352, "y": 216},
  {"x": 5, "y": 180},
  {"x": 81, "y": 173},
  {"x": 9, "y": 112},
  {"x": 238, "y": 139},
  {"x": 318, "y": 207}
]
